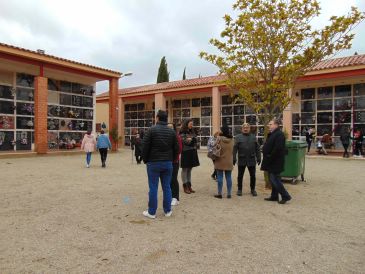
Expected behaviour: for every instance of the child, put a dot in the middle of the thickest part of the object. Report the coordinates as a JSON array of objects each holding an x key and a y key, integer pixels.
[
  {"x": 88, "y": 145},
  {"x": 103, "y": 145},
  {"x": 320, "y": 147}
]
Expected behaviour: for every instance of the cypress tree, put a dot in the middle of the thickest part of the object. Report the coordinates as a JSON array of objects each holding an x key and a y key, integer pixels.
[
  {"x": 184, "y": 75},
  {"x": 163, "y": 74}
]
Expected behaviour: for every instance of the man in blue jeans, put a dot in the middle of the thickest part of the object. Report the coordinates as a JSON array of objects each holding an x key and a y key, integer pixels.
[
  {"x": 273, "y": 162},
  {"x": 160, "y": 148}
]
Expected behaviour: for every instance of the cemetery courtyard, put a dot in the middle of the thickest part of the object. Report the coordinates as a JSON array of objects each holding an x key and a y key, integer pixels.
[{"x": 59, "y": 217}]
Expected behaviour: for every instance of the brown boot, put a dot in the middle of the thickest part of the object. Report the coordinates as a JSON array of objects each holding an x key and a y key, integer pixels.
[
  {"x": 190, "y": 189},
  {"x": 186, "y": 189}
]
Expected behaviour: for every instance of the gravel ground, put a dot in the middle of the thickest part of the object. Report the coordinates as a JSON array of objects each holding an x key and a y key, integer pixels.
[{"x": 59, "y": 217}]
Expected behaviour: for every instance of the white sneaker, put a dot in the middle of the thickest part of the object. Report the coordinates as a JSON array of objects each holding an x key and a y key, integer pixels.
[
  {"x": 146, "y": 214},
  {"x": 87, "y": 166},
  {"x": 174, "y": 202},
  {"x": 168, "y": 214}
]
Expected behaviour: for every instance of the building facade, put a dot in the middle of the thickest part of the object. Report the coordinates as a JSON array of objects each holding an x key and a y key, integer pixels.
[
  {"x": 46, "y": 102},
  {"x": 328, "y": 98}
]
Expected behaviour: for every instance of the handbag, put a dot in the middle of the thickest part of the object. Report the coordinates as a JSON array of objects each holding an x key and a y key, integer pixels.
[{"x": 215, "y": 152}]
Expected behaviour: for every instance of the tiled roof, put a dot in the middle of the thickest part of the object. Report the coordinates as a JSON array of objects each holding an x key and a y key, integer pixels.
[
  {"x": 171, "y": 85},
  {"x": 348, "y": 61},
  {"x": 323, "y": 65},
  {"x": 57, "y": 58}
]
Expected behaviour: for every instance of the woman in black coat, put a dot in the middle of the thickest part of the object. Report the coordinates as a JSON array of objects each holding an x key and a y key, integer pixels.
[
  {"x": 137, "y": 147},
  {"x": 189, "y": 155},
  {"x": 273, "y": 162}
]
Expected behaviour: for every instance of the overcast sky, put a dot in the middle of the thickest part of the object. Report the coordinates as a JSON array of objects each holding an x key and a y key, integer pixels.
[{"x": 133, "y": 35}]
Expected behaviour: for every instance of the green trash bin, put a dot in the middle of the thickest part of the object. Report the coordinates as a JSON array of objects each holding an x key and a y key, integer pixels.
[{"x": 294, "y": 160}]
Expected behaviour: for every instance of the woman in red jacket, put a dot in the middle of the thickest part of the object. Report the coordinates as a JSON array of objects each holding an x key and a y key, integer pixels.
[{"x": 174, "y": 181}]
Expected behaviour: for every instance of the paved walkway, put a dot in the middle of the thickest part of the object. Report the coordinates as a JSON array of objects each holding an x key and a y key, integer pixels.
[{"x": 59, "y": 217}]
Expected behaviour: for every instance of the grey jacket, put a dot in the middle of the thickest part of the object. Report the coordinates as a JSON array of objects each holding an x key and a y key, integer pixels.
[{"x": 248, "y": 150}]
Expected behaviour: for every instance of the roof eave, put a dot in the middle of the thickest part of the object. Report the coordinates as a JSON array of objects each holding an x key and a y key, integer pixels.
[{"x": 45, "y": 59}]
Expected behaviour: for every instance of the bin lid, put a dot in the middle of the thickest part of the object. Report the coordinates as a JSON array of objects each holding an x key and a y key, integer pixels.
[{"x": 296, "y": 144}]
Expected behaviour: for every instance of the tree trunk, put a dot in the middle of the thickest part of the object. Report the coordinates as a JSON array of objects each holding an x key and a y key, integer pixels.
[
  {"x": 267, "y": 180},
  {"x": 266, "y": 119}
]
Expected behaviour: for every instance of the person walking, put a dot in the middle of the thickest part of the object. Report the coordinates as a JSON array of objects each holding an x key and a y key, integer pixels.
[
  {"x": 103, "y": 144},
  {"x": 249, "y": 154},
  {"x": 189, "y": 155},
  {"x": 273, "y": 162},
  {"x": 160, "y": 149},
  {"x": 88, "y": 145},
  {"x": 345, "y": 140},
  {"x": 309, "y": 137},
  {"x": 175, "y": 168},
  {"x": 224, "y": 163},
  {"x": 137, "y": 147}
]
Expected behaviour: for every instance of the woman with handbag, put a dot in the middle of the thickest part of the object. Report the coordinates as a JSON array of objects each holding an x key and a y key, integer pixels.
[
  {"x": 189, "y": 155},
  {"x": 224, "y": 163}
]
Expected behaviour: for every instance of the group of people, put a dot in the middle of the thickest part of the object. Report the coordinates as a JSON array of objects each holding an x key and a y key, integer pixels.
[
  {"x": 166, "y": 148},
  {"x": 357, "y": 139},
  {"x": 90, "y": 144},
  {"x": 345, "y": 137}
]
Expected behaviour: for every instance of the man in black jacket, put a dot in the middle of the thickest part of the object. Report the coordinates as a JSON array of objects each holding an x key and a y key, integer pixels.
[
  {"x": 273, "y": 162},
  {"x": 160, "y": 148},
  {"x": 248, "y": 155}
]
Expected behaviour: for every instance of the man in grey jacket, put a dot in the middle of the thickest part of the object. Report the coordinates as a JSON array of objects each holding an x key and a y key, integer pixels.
[{"x": 249, "y": 154}]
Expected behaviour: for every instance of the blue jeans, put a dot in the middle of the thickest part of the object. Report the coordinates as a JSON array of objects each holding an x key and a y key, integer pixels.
[
  {"x": 155, "y": 171},
  {"x": 228, "y": 174},
  {"x": 278, "y": 187},
  {"x": 88, "y": 157}
]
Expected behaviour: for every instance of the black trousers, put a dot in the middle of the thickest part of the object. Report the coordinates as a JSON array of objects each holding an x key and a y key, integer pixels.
[
  {"x": 309, "y": 143},
  {"x": 346, "y": 147},
  {"x": 174, "y": 181},
  {"x": 103, "y": 154},
  {"x": 241, "y": 172},
  {"x": 358, "y": 149}
]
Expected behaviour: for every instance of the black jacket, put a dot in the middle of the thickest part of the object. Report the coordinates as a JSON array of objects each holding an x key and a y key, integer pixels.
[
  {"x": 137, "y": 146},
  {"x": 160, "y": 144},
  {"x": 345, "y": 137},
  {"x": 274, "y": 152},
  {"x": 309, "y": 136},
  {"x": 248, "y": 150}
]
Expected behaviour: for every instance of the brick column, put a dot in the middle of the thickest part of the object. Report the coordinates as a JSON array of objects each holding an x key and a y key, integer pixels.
[
  {"x": 287, "y": 119},
  {"x": 121, "y": 120},
  {"x": 216, "y": 110},
  {"x": 113, "y": 108},
  {"x": 40, "y": 114},
  {"x": 160, "y": 102},
  {"x": 169, "y": 109}
]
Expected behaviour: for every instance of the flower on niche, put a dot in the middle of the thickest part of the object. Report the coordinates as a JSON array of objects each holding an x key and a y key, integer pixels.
[{"x": 30, "y": 123}]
